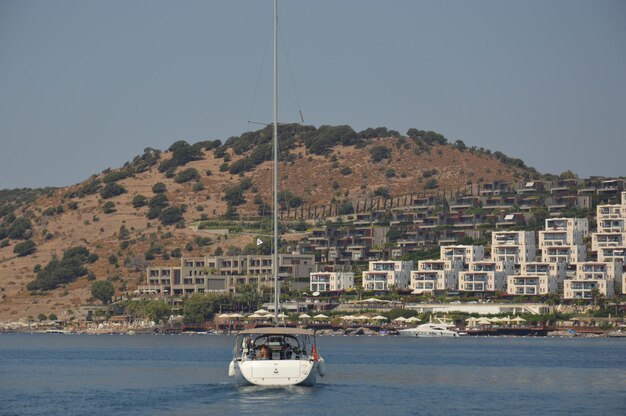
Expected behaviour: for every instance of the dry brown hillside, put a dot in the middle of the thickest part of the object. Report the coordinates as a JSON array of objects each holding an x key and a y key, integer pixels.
[{"x": 343, "y": 173}]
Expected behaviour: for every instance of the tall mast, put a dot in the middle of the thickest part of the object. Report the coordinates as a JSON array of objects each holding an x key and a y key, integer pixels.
[{"x": 275, "y": 123}]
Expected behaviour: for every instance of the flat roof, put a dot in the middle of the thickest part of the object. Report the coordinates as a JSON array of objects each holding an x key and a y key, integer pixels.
[{"x": 278, "y": 331}]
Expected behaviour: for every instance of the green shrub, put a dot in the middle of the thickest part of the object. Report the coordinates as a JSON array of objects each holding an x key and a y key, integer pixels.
[
  {"x": 382, "y": 191},
  {"x": 159, "y": 188},
  {"x": 171, "y": 215},
  {"x": 118, "y": 175},
  {"x": 25, "y": 248},
  {"x": 379, "y": 153},
  {"x": 182, "y": 153},
  {"x": 431, "y": 184},
  {"x": 159, "y": 200},
  {"x": 20, "y": 229},
  {"x": 346, "y": 170},
  {"x": 62, "y": 271},
  {"x": 153, "y": 212},
  {"x": 139, "y": 201},
  {"x": 197, "y": 187},
  {"x": 112, "y": 189},
  {"x": 321, "y": 141},
  {"x": 109, "y": 207},
  {"x": 390, "y": 173}
]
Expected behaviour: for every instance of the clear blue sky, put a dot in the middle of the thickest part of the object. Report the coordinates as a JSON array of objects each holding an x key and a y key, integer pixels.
[{"x": 86, "y": 85}]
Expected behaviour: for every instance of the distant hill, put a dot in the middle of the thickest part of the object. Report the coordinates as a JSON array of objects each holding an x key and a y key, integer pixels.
[{"x": 143, "y": 212}]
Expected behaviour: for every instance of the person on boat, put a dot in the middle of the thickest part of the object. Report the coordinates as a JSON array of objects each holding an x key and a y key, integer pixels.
[{"x": 263, "y": 354}]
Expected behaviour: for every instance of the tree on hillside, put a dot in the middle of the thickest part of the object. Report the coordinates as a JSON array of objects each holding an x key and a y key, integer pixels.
[
  {"x": 112, "y": 189},
  {"x": 159, "y": 188},
  {"x": 25, "y": 248},
  {"x": 102, "y": 290}
]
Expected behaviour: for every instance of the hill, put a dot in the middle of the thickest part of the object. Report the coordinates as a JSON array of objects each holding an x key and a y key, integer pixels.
[{"x": 143, "y": 213}]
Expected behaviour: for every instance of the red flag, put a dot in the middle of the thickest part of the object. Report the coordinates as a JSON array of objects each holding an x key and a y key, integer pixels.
[{"x": 314, "y": 353}]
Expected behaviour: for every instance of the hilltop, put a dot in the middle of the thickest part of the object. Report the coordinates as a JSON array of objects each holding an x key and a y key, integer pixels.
[{"x": 145, "y": 212}]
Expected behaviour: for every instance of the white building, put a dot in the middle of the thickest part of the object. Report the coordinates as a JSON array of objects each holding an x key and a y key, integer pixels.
[
  {"x": 432, "y": 275},
  {"x": 593, "y": 275},
  {"x": 562, "y": 240},
  {"x": 485, "y": 276},
  {"x": 463, "y": 254},
  {"x": 383, "y": 274},
  {"x": 612, "y": 254},
  {"x": 513, "y": 246},
  {"x": 536, "y": 278},
  {"x": 563, "y": 232},
  {"x": 611, "y": 227},
  {"x": 331, "y": 281}
]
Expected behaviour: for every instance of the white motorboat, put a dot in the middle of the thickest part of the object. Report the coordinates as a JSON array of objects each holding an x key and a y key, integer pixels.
[
  {"x": 429, "y": 330},
  {"x": 276, "y": 356},
  {"x": 290, "y": 357}
]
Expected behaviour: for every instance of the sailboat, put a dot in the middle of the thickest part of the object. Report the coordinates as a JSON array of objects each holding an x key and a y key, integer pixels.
[{"x": 276, "y": 356}]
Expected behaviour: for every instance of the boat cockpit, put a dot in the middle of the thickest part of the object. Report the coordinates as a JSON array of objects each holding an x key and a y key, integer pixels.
[{"x": 298, "y": 345}]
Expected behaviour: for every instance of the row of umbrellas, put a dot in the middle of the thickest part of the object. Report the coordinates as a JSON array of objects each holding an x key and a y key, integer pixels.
[
  {"x": 488, "y": 321},
  {"x": 263, "y": 314}
]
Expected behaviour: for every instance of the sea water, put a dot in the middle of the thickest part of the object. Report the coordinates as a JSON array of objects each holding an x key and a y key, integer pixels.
[{"x": 55, "y": 374}]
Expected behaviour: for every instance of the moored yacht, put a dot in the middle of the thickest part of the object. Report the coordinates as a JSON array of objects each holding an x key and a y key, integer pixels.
[{"x": 429, "y": 330}]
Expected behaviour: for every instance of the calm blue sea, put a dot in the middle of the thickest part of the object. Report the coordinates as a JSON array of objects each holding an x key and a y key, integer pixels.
[{"x": 187, "y": 375}]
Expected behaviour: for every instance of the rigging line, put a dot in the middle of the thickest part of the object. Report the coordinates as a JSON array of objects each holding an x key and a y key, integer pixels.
[
  {"x": 293, "y": 82},
  {"x": 258, "y": 81}
]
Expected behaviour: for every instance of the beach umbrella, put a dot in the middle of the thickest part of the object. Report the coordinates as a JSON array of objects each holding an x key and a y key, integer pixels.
[
  {"x": 235, "y": 315},
  {"x": 320, "y": 316},
  {"x": 347, "y": 317},
  {"x": 400, "y": 319},
  {"x": 483, "y": 321},
  {"x": 261, "y": 312},
  {"x": 304, "y": 316},
  {"x": 379, "y": 318},
  {"x": 361, "y": 318},
  {"x": 255, "y": 316},
  {"x": 414, "y": 319},
  {"x": 224, "y": 315},
  {"x": 518, "y": 319},
  {"x": 282, "y": 315}
]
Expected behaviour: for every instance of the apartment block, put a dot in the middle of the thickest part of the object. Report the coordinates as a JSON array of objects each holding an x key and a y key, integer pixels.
[
  {"x": 485, "y": 276},
  {"x": 536, "y": 278},
  {"x": 593, "y": 275},
  {"x": 433, "y": 275},
  {"x": 225, "y": 273},
  {"x": 331, "y": 281},
  {"x": 382, "y": 275},
  {"x": 564, "y": 254},
  {"x": 563, "y": 232},
  {"x": 513, "y": 246},
  {"x": 463, "y": 254},
  {"x": 562, "y": 240},
  {"x": 617, "y": 253}
]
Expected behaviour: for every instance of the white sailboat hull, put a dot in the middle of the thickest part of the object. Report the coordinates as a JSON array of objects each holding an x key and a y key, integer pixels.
[{"x": 276, "y": 373}]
